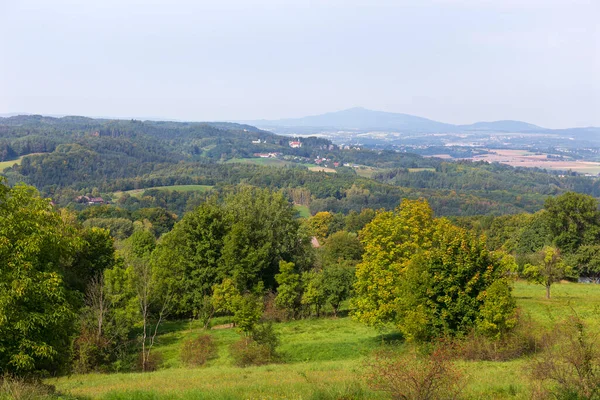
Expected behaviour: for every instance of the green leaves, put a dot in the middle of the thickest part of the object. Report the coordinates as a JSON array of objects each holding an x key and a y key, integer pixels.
[
  {"x": 425, "y": 276},
  {"x": 36, "y": 316}
]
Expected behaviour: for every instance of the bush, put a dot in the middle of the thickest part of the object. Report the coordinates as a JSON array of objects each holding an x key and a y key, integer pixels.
[
  {"x": 247, "y": 351},
  {"x": 412, "y": 376},
  {"x": 524, "y": 339},
  {"x": 272, "y": 312},
  {"x": 258, "y": 349},
  {"x": 571, "y": 368},
  {"x": 90, "y": 352},
  {"x": 198, "y": 351},
  {"x": 265, "y": 335},
  {"x": 153, "y": 362}
]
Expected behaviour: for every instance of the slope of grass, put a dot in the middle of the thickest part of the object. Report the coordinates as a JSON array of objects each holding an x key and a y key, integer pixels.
[
  {"x": 8, "y": 164},
  {"x": 178, "y": 188},
  {"x": 321, "y": 359}
]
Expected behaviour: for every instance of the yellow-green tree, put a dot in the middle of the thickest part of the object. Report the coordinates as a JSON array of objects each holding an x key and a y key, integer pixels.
[
  {"x": 548, "y": 269},
  {"x": 427, "y": 277},
  {"x": 390, "y": 240},
  {"x": 319, "y": 224}
]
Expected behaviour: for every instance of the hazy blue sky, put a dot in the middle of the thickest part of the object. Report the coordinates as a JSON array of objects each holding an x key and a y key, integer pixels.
[{"x": 457, "y": 61}]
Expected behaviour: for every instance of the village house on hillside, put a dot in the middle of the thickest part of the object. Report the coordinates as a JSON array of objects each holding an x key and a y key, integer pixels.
[
  {"x": 295, "y": 144},
  {"x": 90, "y": 200}
]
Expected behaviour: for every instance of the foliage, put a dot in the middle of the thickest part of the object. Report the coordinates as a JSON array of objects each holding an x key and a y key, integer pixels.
[
  {"x": 319, "y": 224},
  {"x": 36, "y": 309},
  {"x": 497, "y": 315},
  {"x": 338, "y": 279},
  {"x": 427, "y": 277},
  {"x": 289, "y": 289},
  {"x": 247, "y": 351},
  {"x": 197, "y": 351},
  {"x": 586, "y": 261},
  {"x": 265, "y": 335},
  {"x": 247, "y": 312},
  {"x": 313, "y": 294},
  {"x": 574, "y": 220},
  {"x": 242, "y": 239},
  {"x": 341, "y": 246},
  {"x": 389, "y": 241},
  {"x": 548, "y": 269}
]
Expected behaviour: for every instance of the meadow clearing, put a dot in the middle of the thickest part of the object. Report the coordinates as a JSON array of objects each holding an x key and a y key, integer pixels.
[{"x": 321, "y": 359}]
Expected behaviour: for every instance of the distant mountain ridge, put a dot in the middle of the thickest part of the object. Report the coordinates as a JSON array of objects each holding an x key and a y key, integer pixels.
[{"x": 359, "y": 118}]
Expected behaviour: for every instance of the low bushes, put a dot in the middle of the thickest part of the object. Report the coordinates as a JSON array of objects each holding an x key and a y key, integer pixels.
[
  {"x": 570, "y": 369},
  {"x": 413, "y": 376},
  {"x": 257, "y": 349},
  {"x": 524, "y": 339},
  {"x": 198, "y": 351}
]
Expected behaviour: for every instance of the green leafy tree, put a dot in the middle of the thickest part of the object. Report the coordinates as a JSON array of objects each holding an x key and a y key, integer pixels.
[
  {"x": 36, "y": 316},
  {"x": 319, "y": 224},
  {"x": 341, "y": 246},
  {"x": 188, "y": 258},
  {"x": 289, "y": 289},
  {"x": 548, "y": 269},
  {"x": 314, "y": 290},
  {"x": 424, "y": 276},
  {"x": 247, "y": 311},
  {"x": 96, "y": 254},
  {"x": 225, "y": 296},
  {"x": 497, "y": 313},
  {"x": 338, "y": 279},
  {"x": 586, "y": 260},
  {"x": 390, "y": 240},
  {"x": 574, "y": 220},
  {"x": 443, "y": 287}
]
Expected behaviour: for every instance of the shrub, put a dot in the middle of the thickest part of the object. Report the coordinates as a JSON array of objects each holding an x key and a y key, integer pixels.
[
  {"x": 525, "y": 338},
  {"x": 90, "y": 352},
  {"x": 153, "y": 362},
  {"x": 198, "y": 351},
  {"x": 412, "y": 376},
  {"x": 258, "y": 349},
  {"x": 247, "y": 351},
  {"x": 272, "y": 312},
  {"x": 571, "y": 368},
  {"x": 265, "y": 335}
]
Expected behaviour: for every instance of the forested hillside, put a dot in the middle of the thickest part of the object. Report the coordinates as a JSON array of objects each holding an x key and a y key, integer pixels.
[{"x": 72, "y": 156}]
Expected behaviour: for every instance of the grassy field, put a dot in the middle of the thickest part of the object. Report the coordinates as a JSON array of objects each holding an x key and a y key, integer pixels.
[
  {"x": 274, "y": 162},
  {"x": 179, "y": 188},
  {"x": 322, "y": 359},
  {"x": 304, "y": 211},
  {"x": 8, "y": 164}
]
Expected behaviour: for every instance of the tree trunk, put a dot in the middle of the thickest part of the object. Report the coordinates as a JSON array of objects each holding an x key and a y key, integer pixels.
[{"x": 547, "y": 291}]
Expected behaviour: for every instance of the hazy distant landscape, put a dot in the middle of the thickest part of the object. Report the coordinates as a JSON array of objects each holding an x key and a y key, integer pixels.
[{"x": 300, "y": 200}]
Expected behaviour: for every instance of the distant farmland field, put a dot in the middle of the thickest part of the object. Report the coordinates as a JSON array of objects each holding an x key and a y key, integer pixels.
[{"x": 524, "y": 158}]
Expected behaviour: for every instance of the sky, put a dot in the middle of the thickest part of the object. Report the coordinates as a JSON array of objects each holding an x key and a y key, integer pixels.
[{"x": 455, "y": 61}]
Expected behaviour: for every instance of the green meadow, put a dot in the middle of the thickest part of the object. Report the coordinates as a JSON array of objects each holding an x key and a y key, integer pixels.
[
  {"x": 320, "y": 359},
  {"x": 8, "y": 164},
  {"x": 178, "y": 188}
]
